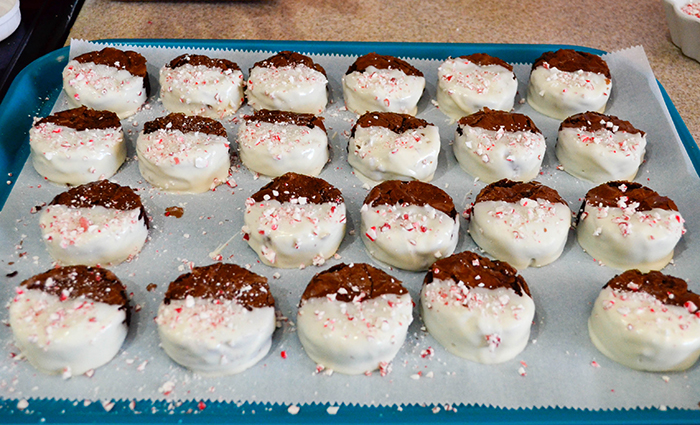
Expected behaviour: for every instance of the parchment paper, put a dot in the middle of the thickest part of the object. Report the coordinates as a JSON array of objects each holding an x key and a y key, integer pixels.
[{"x": 559, "y": 367}]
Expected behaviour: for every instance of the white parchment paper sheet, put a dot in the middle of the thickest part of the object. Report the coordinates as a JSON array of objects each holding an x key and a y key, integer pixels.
[{"x": 560, "y": 366}]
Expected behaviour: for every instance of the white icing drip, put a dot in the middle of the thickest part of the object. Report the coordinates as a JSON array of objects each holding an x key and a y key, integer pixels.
[
  {"x": 378, "y": 154},
  {"x": 493, "y": 155},
  {"x": 624, "y": 238},
  {"x": 290, "y": 88},
  {"x": 383, "y": 90},
  {"x": 103, "y": 88},
  {"x": 638, "y": 331},
  {"x": 528, "y": 233},
  {"x": 560, "y": 94},
  {"x": 479, "y": 324},
  {"x": 354, "y": 337},
  {"x": 408, "y": 237},
  {"x": 67, "y": 156},
  {"x": 294, "y": 234},
  {"x": 602, "y": 155},
  {"x": 192, "y": 162},
  {"x": 92, "y": 236},
  {"x": 465, "y": 87},
  {"x": 65, "y": 337},
  {"x": 275, "y": 149},
  {"x": 215, "y": 336},
  {"x": 200, "y": 90}
]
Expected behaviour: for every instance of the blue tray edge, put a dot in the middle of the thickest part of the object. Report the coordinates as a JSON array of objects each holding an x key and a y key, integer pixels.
[{"x": 34, "y": 92}]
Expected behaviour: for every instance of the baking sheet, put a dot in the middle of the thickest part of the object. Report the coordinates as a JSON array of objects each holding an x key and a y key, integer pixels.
[{"x": 559, "y": 364}]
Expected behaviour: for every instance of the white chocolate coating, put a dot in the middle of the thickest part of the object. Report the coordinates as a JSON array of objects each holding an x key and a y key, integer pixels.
[
  {"x": 624, "y": 238},
  {"x": 637, "y": 330},
  {"x": 92, "y": 236},
  {"x": 274, "y": 149},
  {"x": 103, "y": 88},
  {"x": 532, "y": 232},
  {"x": 494, "y": 155},
  {"x": 383, "y": 90},
  {"x": 294, "y": 234},
  {"x": 66, "y": 337},
  {"x": 409, "y": 237},
  {"x": 465, "y": 87},
  {"x": 479, "y": 324},
  {"x": 377, "y": 154},
  {"x": 297, "y": 89},
  {"x": 559, "y": 94},
  {"x": 354, "y": 337},
  {"x": 215, "y": 337},
  {"x": 602, "y": 155},
  {"x": 191, "y": 162},
  {"x": 65, "y": 155},
  {"x": 200, "y": 90}
]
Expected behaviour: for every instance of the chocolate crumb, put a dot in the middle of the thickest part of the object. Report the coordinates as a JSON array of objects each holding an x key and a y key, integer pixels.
[
  {"x": 12, "y": 274},
  {"x": 176, "y": 212},
  {"x": 151, "y": 287}
]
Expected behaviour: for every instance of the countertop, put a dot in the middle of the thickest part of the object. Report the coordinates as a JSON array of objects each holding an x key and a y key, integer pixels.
[{"x": 606, "y": 25}]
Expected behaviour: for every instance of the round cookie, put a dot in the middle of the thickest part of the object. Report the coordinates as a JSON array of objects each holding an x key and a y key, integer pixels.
[
  {"x": 525, "y": 224},
  {"x": 70, "y": 320},
  {"x": 276, "y": 142},
  {"x": 109, "y": 80},
  {"x": 647, "y": 321},
  {"x": 200, "y": 85},
  {"x": 98, "y": 223},
  {"x": 476, "y": 308},
  {"x": 408, "y": 225},
  {"x": 354, "y": 318},
  {"x": 288, "y": 81},
  {"x": 625, "y": 225},
  {"x": 217, "y": 320},
  {"x": 384, "y": 84},
  {"x": 495, "y": 145},
  {"x": 185, "y": 154},
  {"x": 387, "y": 146},
  {"x": 77, "y": 146},
  {"x": 567, "y": 82},
  {"x": 600, "y": 148},
  {"x": 470, "y": 83},
  {"x": 295, "y": 221}
]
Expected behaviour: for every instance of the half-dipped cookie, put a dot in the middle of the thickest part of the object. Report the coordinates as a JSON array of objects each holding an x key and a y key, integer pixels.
[
  {"x": 387, "y": 146},
  {"x": 525, "y": 224},
  {"x": 107, "y": 80},
  {"x": 217, "y": 319},
  {"x": 288, "y": 81},
  {"x": 77, "y": 146},
  {"x": 354, "y": 318},
  {"x": 186, "y": 154},
  {"x": 476, "y": 308},
  {"x": 600, "y": 148},
  {"x": 295, "y": 221},
  {"x": 470, "y": 83},
  {"x": 382, "y": 83},
  {"x": 98, "y": 223},
  {"x": 409, "y": 224},
  {"x": 276, "y": 142},
  {"x": 494, "y": 145},
  {"x": 200, "y": 85},
  {"x": 647, "y": 321},
  {"x": 567, "y": 82},
  {"x": 626, "y": 225},
  {"x": 69, "y": 320}
]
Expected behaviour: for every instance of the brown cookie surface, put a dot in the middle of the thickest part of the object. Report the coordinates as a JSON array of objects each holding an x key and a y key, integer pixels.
[
  {"x": 594, "y": 121},
  {"x": 667, "y": 289},
  {"x": 197, "y": 60},
  {"x": 286, "y": 117},
  {"x": 512, "y": 192},
  {"x": 287, "y": 58},
  {"x": 83, "y": 118},
  {"x": 490, "y": 119},
  {"x": 352, "y": 282},
  {"x": 222, "y": 281},
  {"x": 610, "y": 194},
  {"x": 186, "y": 124},
  {"x": 398, "y": 123},
  {"x": 484, "y": 59},
  {"x": 294, "y": 186},
  {"x": 101, "y": 193},
  {"x": 476, "y": 271},
  {"x": 383, "y": 62},
  {"x": 73, "y": 282},
  {"x": 569, "y": 60},
  {"x": 414, "y": 192}
]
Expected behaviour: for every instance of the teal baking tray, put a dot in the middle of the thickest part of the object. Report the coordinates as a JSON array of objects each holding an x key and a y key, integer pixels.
[{"x": 34, "y": 92}]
